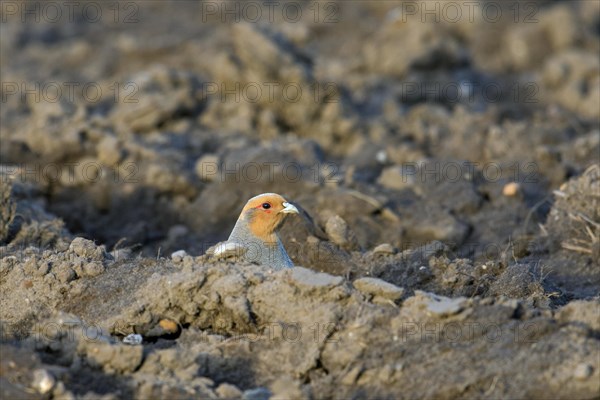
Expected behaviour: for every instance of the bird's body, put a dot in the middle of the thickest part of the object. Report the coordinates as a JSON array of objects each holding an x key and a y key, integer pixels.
[{"x": 254, "y": 236}]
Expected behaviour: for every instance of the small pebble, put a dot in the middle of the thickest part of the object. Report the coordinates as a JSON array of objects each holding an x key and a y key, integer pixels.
[
  {"x": 583, "y": 371},
  {"x": 228, "y": 391},
  {"x": 511, "y": 189},
  {"x": 308, "y": 279},
  {"x": 168, "y": 325},
  {"x": 384, "y": 248},
  {"x": 337, "y": 230},
  {"x": 43, "y": 381},
  {"x": 178, "y": 255},
  {"x": 378, "y": 287},
  {"x": 133, "y": 339},
  {"x": 109, "y": 152},
  {"x": 441, "y": 305}
]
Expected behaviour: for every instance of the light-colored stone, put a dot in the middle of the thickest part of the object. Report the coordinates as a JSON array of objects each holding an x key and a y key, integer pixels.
[
  {"x": 583, "y": 372},
  {"x": 108, "y": 151},
  {"x": 228, "y": 391},
  {"x": 133, "y": 339},
  {"x": 395, "y": 177},
  {"x": 337, "y": 230},
  {"x": 581, "y": 312},
  {"x": 511, "y": 189},
  {"x": 384, "y": 248},
  {"x": 308, "y": 279},
  {"x": 378, "y": 287},
  {"x": 43, "y": 381},
  {"x": 441, "y": 305},
  {"x": 178, "y": 255}
]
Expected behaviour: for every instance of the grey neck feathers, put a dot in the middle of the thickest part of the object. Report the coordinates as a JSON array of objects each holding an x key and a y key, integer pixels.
[{"x": 272, "y": 255}]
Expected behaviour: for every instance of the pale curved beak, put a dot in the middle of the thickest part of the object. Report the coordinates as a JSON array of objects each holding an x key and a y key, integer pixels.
[{"x": 289, "y": 208}]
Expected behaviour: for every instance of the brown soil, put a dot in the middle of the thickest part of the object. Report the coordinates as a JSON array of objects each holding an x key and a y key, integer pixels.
[{"x": 448, "y": 176}]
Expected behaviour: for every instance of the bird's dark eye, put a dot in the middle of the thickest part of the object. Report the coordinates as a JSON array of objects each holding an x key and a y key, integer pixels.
[{"x": 266, "y": 206}]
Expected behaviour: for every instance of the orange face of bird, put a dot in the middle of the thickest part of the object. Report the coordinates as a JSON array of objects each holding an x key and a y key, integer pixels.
[{"x": 265, "y": 214}]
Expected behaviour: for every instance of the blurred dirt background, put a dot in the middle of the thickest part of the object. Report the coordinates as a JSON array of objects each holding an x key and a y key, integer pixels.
[{"x": 449, "y": 171}]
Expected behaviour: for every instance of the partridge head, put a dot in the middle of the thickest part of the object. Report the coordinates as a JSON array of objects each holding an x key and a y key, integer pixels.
[{"x": 254, "y": 237}]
